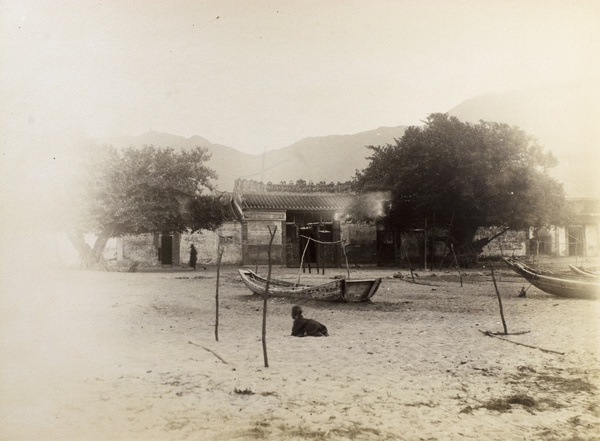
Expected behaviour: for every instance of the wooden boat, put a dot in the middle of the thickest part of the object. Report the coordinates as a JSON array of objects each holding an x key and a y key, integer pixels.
[
  {"x": 339, "y": 290},
  {"x": 580, "y": 271},
  {"x": 360, "y": 290},
  {"x": 573, "y": 288}
]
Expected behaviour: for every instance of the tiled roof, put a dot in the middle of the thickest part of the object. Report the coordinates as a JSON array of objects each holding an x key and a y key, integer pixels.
[{"x": 291, "y": 201}]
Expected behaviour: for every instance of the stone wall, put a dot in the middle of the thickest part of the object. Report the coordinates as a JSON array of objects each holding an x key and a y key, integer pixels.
[
  {"x": 207, "y": 243},
  {"x": 142, "y": 248},
  {"x": 511, "y": 243}
]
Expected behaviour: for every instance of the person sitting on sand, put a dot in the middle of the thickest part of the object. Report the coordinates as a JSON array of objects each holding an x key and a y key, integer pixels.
[{"x": 304, "y": 327}]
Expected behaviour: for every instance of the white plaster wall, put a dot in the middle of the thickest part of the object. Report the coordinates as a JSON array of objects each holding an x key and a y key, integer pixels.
[
  {"x": 207, "y": 244},
  {"x": 592, "y": 240}
]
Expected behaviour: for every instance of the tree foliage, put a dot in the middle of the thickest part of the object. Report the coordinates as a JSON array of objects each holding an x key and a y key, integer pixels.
[
  {"x": 462, "y": 176},
  {"x": 134, "y": 191}
]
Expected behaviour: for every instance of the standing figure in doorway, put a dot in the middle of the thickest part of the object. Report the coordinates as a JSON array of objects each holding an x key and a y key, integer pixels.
[{"x": 193, "y": 256}]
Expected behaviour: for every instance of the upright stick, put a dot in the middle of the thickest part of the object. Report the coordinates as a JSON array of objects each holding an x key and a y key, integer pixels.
[
  {"x": 302, "y": 259},
  {"x": 456, "y": 263},
  {"x": 265, "y": 297},
  {"x": 499, "y": 299},
  {"x": 345, "y": 257},
  {"x": 408, "y": 260},
  {"x": 219, "y": 258},
  {"x": 257, "y": 258}
]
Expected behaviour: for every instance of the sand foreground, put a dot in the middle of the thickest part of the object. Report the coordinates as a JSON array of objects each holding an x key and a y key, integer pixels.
[{"x": 133, "y": 356}]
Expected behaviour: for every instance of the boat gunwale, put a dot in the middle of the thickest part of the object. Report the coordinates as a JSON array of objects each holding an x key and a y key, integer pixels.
[{"x": 584, "y": 272}]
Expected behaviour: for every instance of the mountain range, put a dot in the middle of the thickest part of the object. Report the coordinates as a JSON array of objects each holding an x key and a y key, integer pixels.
[{"x": 565, "y": 119}]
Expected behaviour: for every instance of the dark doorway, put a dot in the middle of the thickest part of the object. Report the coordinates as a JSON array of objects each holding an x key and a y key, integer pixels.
[
  {"x": 166, "y": 250},
  {"x": 386, "y": 247}
]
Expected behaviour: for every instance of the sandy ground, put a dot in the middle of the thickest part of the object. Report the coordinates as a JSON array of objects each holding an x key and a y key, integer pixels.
[{"x": 133, "y": 356}]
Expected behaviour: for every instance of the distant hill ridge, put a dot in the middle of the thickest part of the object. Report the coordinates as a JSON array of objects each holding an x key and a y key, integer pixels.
[
  {"x": 333, "y": 158},
  {"x": 564, "y": 119}
]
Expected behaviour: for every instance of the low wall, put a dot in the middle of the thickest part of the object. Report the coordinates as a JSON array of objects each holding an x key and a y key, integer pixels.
[
  {"x": 511, "y": 243},
  {"x": 207, "y": 245},
  {"x": 143, "y": 248}
]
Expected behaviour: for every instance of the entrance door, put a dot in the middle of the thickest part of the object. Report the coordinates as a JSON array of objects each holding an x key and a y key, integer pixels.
[
  {"x": 166, "y": 250},
  {"x": 386, "y": 247}
]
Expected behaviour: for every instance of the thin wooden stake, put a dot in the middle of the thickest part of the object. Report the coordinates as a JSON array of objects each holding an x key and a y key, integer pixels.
[
  {"x": 266, "y": 296},
  {"x": 425, "y": 245},
  {"x": 219, "y": 258},
  {"x": 209, "y": 350},
  {"x": 346, "y": 257},
  {"x": 257, "y": 258},
  {"x": 489, "y": 334},
  {"x": 457, "y": 267},
  {"x": 499, "y": 299},
  {"x": 408, "y": 260},
  {"x": 302, "y": 260}
]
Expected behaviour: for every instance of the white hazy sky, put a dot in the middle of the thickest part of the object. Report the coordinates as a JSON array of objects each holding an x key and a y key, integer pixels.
[{"x": 260, "y": 74}]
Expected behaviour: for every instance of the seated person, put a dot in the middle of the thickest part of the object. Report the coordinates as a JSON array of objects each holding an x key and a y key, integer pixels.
[{"x": 304, "y": 327}]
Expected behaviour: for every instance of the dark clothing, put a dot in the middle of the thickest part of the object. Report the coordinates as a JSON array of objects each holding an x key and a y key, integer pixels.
[
  {"x": 193, "y": 257},
  {"x": 304, "y": 327}
]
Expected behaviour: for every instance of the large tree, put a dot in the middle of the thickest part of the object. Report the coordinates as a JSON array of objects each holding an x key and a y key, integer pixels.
[
  {"x": 139, "y": 190},
  {"x": 459, "y": 176}
]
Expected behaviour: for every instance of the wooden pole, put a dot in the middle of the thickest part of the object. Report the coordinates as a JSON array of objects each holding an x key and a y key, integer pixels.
[
  {"x": 408, "y": 260},
  {"x": 310, "y": 256},
  {"x": 346, "y": 257},
  {"x": 321, "y": 258},
  {"x": 443, "y": 259},
  {"x": 425, "y": 245},
  {"x": 499, "y": 299},
  {"x": 302, "y": 260},
  {"x": 219, "y": 258},
  {"x": 266, "y": 296},
  {"x": 257, "y": 258},
  {"x": 318, "y": 257},
  {"x": 456, "y": 263}
]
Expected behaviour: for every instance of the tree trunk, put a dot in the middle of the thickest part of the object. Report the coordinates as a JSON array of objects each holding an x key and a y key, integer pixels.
[
  {"x": 468, "y": 249},
  {"x": 101, "y": 241},
  {"x": 93, "y": 258},
  {"x": 85, "y": 251}
]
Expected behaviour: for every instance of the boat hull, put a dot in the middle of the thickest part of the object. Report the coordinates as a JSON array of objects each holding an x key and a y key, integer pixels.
[
  {"x": 360, "y": 290},
  {"x": 571, "y": 288},
  {"x": 339, "y": 290}
]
